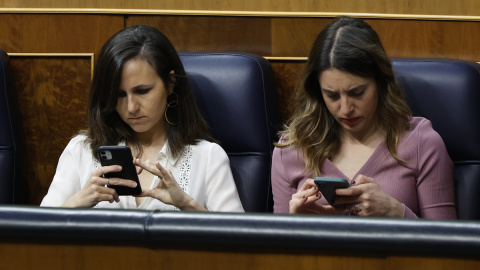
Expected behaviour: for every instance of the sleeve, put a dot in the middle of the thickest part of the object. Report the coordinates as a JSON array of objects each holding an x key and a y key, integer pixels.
[
  {"x": 435, "y": 187},
  {"x": 66, "y": 181},
  {"x": 221, "y": 191},
  {"x": 281, "y": 188}
]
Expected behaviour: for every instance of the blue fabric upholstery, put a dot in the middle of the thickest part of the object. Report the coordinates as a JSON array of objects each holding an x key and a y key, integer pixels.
[
  {"x": 235, "y": 94},
  {"x": 10, "y": 166},
  {"x": 447, "y": 92}
]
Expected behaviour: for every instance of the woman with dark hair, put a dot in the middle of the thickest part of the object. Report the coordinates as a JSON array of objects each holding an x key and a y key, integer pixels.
[
  {"x": 351, "y": 121},
  {"x": 140, "y": 97}
]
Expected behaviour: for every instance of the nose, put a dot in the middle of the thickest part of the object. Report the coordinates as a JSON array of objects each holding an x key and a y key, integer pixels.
[
  {"x": 132, "y": 104},
  {"x": 346, "y": 105}
]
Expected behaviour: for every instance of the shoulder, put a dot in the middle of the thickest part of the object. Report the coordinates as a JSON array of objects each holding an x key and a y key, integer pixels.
[
  {"x": 421, "y": 139},
  {"x": 78, "y": 144},
  {"x": 422, "y": 129},
  {"x": 286, "y": 151},
  {"x": 205, "y": 147}
]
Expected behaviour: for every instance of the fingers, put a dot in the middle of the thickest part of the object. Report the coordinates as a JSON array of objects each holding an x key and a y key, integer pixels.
[
  {"x": 308, "y": 184},
  {"x": 100, "y": 193},
  {"x": 148, "y": 167},
  {"x": 358, "y": 188},
  {"x": 296, "y": 204},
  {"x": 119, "y": 182},
  {"x": 304, "y": 197},
  {"x": 362, "y": 179},
  {"x": 106, "y": 169}
]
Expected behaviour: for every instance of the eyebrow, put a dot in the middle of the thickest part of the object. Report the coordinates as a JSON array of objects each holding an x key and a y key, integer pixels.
[
  {"x": 348, "y": 91},
  {"x": 140, "y": 86}
]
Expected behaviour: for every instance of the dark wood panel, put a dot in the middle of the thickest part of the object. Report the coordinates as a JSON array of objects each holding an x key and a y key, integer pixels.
[
  {"x": 429, "y": 39},
  {"x": 213, "y": 34},
  {"x": 295, "y": 36},
  {"x": 52, "y": 94},
  {"x": 287, "y": 37},
  {"x": 286, "y": 78},
  {"x": 401, "y": 38},
  {"x": 56, "y": 33},
  {"x": 440, "y": 7},
  {"x": 102, "y": 256}
]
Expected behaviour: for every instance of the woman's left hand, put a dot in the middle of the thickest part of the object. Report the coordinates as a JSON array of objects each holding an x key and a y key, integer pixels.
[
  {"x": 168, "y": 191},
  {"x": 366, "y": 198}
]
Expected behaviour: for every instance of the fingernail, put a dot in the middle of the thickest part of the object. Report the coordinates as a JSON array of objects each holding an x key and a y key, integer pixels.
[
  {"x": 317, "y": 195},
  {"x": 352, "y": 183},
  {"x": 304, "y": 196}
]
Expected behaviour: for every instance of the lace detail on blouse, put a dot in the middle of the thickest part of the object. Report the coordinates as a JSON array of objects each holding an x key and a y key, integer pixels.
[{"x": 185, "y": 168}]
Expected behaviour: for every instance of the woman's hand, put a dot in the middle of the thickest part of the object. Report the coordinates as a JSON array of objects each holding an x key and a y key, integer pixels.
[
  {"x": 370, "y": 199},
  {"x": 168, "y": 191},
  {"x": 96, "y": 189},
  {"x": 303, "y": 202}
]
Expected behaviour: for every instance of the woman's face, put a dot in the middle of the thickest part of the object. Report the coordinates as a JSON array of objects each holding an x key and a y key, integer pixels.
[
  {"x": 351, "y": 99},
  {"x": 142, "y": 97}
]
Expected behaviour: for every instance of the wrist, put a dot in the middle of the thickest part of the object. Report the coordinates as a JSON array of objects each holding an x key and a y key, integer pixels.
[
  {"x": 189, "y": 204},
  {"x": 397, "y": 209}
]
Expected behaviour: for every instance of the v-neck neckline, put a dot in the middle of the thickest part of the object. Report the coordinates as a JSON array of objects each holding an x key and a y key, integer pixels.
[{"x": 368, "y": 168}]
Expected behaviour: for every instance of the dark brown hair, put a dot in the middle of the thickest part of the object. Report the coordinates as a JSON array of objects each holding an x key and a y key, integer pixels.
[{"x": 104, "y": 125}]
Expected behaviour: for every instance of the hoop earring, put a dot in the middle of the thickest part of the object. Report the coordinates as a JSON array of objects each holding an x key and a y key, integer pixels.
[{"x": 171, "y": 104}]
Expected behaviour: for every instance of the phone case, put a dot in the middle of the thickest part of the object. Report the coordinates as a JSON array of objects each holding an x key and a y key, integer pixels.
[
  {"x": 328, "y": 185},
  {"x": 120, "y": 155}
]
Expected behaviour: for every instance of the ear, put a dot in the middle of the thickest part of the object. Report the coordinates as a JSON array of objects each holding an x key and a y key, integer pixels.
[{"x": 172, "y": 81}]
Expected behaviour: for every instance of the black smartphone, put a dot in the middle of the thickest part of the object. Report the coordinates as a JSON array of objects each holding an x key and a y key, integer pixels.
[
  {"x": 328, "y": 185},
  {"x": 120, "y": 155}
]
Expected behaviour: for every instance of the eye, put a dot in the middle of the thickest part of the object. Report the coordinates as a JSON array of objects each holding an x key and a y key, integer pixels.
[
  {"x": 357, "y": 93},
  {"x": 142, "y": 91},
  {"x": 333, "y": 95}
]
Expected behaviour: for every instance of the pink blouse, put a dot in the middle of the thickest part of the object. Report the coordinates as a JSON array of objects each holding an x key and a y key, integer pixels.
[{"x": 424, "y": 185}]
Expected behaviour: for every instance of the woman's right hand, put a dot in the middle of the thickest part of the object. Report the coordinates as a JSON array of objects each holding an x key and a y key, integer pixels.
[
  {"x": 303, "y": 202},
  {"x": 96, "y": 189}
]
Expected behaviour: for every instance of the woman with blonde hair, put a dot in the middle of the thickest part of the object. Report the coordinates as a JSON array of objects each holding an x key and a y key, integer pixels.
[{"x": 351, "y": 121}]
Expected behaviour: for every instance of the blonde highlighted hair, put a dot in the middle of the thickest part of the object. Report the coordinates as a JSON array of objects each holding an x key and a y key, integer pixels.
[{"x": 349, "y": 45}]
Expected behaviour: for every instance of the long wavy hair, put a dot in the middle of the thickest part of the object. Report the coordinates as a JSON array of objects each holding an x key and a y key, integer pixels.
[
  {"x": 104, "y": 125},
  {"x": 349, "y": 45}
]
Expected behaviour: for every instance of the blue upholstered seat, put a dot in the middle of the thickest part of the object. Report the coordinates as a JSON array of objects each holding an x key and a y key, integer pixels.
[
  {"x": 10, "y": 134},
  {"x": 235, "y": 93},
  {"x": 447, "y": 92}
]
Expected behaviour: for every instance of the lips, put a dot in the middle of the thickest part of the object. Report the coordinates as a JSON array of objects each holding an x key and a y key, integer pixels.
[
  {"x": 135, "y": 119},
  {"x": 350, "y": 121}
]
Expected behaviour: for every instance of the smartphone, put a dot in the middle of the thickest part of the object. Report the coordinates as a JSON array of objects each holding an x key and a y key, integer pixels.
[
  {"x": 120, "y": 155},
  {"x": 328, "y": 185}
]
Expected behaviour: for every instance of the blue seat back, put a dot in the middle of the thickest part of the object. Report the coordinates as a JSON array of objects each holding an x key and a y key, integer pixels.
[
  {"x": 10, "y": 130},
  {"x": 235, "y": 94},
  {"x": 447, "y": 92}
]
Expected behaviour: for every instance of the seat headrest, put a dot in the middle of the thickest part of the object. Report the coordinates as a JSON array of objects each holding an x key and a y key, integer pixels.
[
  {"x": 447, "y": 92},
  {"x": 235, "y": 95}
]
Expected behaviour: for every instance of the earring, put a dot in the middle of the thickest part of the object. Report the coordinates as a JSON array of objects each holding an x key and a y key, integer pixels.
[{"x": 171, "y": 104}]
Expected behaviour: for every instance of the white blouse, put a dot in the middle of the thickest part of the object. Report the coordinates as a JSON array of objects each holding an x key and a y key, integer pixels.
[{"x": 202, "y": 171}]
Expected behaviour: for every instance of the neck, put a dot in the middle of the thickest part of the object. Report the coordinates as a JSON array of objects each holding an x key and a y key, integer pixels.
[
  {"x": 373, "y": 135},
  {"x": 152, "y": 138}
]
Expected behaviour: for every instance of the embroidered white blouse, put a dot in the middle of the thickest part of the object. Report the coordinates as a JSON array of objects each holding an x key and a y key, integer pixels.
[{"x": 202, "y": 171}]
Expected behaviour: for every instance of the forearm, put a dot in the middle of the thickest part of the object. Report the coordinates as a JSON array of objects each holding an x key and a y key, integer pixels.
[{"x": 190, "y": 204}]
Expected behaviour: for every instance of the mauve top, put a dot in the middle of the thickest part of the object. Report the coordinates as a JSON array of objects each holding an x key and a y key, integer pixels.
[{"x": 424, "y": 185}]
